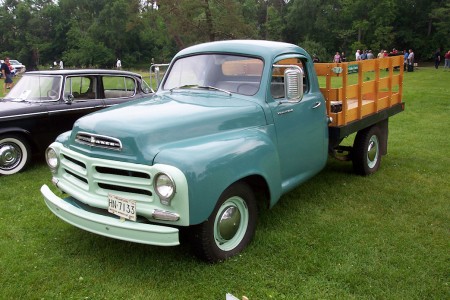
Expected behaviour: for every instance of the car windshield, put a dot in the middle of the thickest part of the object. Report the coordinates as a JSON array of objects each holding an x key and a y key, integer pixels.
[
  {"x": 36, "y": 88},
  {"x": 216, "y": 72},
  {"x": 14, "y": 62}
]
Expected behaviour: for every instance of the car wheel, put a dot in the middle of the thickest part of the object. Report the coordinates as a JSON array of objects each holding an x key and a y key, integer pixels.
[
  {"x": 366, "y": 154},
  {"x": 14, "y": 154},
  {"x": 230, "y": 227}
]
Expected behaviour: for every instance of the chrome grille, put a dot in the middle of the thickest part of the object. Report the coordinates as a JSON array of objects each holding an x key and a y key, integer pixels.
[
  {"x": 102, "y": 177},
  {"x": 95, "y": 140}
]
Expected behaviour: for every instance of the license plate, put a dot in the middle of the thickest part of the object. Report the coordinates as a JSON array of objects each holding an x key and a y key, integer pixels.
[{"x": 122, "y": 207}]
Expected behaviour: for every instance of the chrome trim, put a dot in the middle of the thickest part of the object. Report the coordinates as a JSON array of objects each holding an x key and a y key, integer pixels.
[
  {"x": 165, "y": 215},
  {"x": 96, "y": 140},
  {"x": 24, "y": 115}
]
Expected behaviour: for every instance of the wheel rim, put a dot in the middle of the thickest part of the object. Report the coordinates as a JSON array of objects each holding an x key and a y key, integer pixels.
[
  {"x": 372, "y": 151},
  {"x": 231, "y": 223},
  {"x": 10, "y": 156}
]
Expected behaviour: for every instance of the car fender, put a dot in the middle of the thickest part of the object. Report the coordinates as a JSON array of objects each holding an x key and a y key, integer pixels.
[
  {"x": 20, "y": 131},
  {"x": 212, "y": 163}
]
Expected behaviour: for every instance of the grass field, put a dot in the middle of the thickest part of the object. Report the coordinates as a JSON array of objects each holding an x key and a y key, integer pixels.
[{"x": 339, "y": 236}]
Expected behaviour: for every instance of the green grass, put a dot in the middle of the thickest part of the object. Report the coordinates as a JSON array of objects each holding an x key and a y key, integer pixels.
[{"x": 339, "y": 236}]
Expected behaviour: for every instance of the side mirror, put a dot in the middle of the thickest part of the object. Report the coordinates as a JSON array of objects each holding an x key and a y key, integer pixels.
[
  {"x": 157, "y": 74},
  {"x": 69, "y": 99},
  {"x": 293, "y": 83}
]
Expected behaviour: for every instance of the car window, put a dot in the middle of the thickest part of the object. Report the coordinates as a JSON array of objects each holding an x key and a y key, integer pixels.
[
  {"x": 118, "y": 86},
  {"x": 81, "y": 87},
  {"x": 35, "y": 88},
  {"x": 277, "y": 83}
]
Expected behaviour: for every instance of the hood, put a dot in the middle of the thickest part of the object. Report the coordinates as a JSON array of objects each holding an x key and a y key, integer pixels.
[
  {"x": 146, "y": 126},
  {"x": 17, "y": 110}
]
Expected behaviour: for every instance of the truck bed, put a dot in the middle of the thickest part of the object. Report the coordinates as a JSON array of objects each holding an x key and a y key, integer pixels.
[{"x": 356, "y": 100}]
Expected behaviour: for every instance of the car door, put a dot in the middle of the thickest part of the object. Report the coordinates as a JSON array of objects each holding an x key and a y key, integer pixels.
[
  {"x": 80, "y": 97},
  {"x": 118, "y": 89},
  {"x": 300, "y": 126}
]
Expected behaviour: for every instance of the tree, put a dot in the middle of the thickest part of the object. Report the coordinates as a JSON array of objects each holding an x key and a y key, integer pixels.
[{"x": 190, "y": 22}]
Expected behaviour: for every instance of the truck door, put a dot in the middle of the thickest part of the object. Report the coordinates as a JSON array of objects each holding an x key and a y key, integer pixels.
[{"x": 301, "y": 126}]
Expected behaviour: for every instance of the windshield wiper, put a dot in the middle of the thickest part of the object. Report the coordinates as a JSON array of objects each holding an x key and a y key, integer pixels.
[
  {"x": 196, "y": 86},
  {"x": 214, "y": 89},
  {"x": 186, "y": 86}
]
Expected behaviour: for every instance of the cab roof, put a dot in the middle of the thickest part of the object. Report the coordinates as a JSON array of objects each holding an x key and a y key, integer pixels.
[
  {"x": 265, "y": 49},
  {"x": 82, "y": 72}
]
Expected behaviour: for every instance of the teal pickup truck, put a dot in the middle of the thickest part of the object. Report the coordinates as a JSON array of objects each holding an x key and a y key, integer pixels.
[{"x": 233, "y": 125}]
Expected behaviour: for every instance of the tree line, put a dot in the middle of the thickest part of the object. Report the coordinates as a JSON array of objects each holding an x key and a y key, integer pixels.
[{"x": 86, "y": 33}]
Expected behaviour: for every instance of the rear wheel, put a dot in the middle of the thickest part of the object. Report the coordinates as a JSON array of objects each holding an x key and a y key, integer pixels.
[
  {"x": 14, "y": 154},
  {"x": 230, "y": 227},
  {"x": 366, "y": 154}
]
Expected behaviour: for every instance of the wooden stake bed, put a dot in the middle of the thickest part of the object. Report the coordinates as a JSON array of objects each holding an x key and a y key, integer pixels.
[{"x": 377, "y": 86}]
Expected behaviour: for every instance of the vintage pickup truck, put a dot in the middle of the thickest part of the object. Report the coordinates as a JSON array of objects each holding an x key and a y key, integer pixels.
[{"x": 233, "y": 125}]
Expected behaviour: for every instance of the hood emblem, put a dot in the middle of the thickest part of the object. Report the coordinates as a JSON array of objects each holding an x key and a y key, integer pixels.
[{"x": 101, "y": 141}]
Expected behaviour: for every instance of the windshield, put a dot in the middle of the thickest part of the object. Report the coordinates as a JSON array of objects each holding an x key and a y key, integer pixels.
[
  {"x": 218, "y": 72},
  {"x": 36, "y": 88},
  {"x": 14, "y": 62}
]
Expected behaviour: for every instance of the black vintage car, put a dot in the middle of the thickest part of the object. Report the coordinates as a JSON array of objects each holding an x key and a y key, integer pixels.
[{"x": 44, "y": 104}]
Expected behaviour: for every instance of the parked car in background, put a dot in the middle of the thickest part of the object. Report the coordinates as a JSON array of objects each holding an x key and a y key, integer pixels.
[
  {"x": 19, "y": 68},
  {"x": 44, "y": 104}
]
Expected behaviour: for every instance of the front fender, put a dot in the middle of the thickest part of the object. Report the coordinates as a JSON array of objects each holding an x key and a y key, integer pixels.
[{"x": 212, "y": 163}]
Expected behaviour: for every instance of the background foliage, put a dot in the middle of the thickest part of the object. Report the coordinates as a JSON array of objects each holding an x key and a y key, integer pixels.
[{"x": 95, "y": 33}]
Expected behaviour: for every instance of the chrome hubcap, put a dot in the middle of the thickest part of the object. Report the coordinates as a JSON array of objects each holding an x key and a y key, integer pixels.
[
  {"x": 10, "y": 156},
  {"x": 372, "y": 152},
  {"x": 229, "y": 223}
]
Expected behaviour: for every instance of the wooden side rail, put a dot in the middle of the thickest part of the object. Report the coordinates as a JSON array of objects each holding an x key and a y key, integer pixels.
[{"x": 377, "y": 85}]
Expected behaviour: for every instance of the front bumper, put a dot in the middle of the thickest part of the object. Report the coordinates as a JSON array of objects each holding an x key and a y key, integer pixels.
[{"x": 109, "y": 226}]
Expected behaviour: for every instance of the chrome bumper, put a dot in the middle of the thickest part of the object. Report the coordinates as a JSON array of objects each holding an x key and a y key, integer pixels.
[{"x": 108, "y": 226}]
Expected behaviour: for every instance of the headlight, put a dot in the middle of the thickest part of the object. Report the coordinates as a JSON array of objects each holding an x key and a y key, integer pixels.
[
  {"x": 164, "y": 187},
  {"x": 52, "y": 158}
]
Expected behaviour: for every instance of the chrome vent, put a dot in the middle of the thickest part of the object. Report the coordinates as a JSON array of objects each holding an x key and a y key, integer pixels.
[{"x": 95, "y": 140}]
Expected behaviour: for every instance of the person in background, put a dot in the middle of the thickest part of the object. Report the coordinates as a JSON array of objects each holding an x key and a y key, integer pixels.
[
  {"x": 337, "y": 58},
  {"x": 370, "y": 55},
  {"x": 315, "y": 59},
  {"x": 437, "y": 58},
  {"x": 343, "y": 58},
  {"x": 380, "y": 54},
  {"x": 118, "y": 64},
  {"x": 61, "y": 64},
  {"x": 447, "y": 60},
  {"x": 411, "y": 61},
  {"x": 405, "y": 59},
  {"x": 358, "y": 55},
  {"x": 6, "y": 72}
]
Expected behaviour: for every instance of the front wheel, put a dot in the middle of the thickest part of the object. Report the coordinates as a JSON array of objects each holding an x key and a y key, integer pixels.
[
  {"x": 14, "y": 154},
  {"x": 366, "y": 154},
  {"x": 231, "y": 226}
]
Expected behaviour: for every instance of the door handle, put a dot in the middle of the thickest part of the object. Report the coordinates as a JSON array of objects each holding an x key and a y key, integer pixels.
[{"x": 316, "y": 105}]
